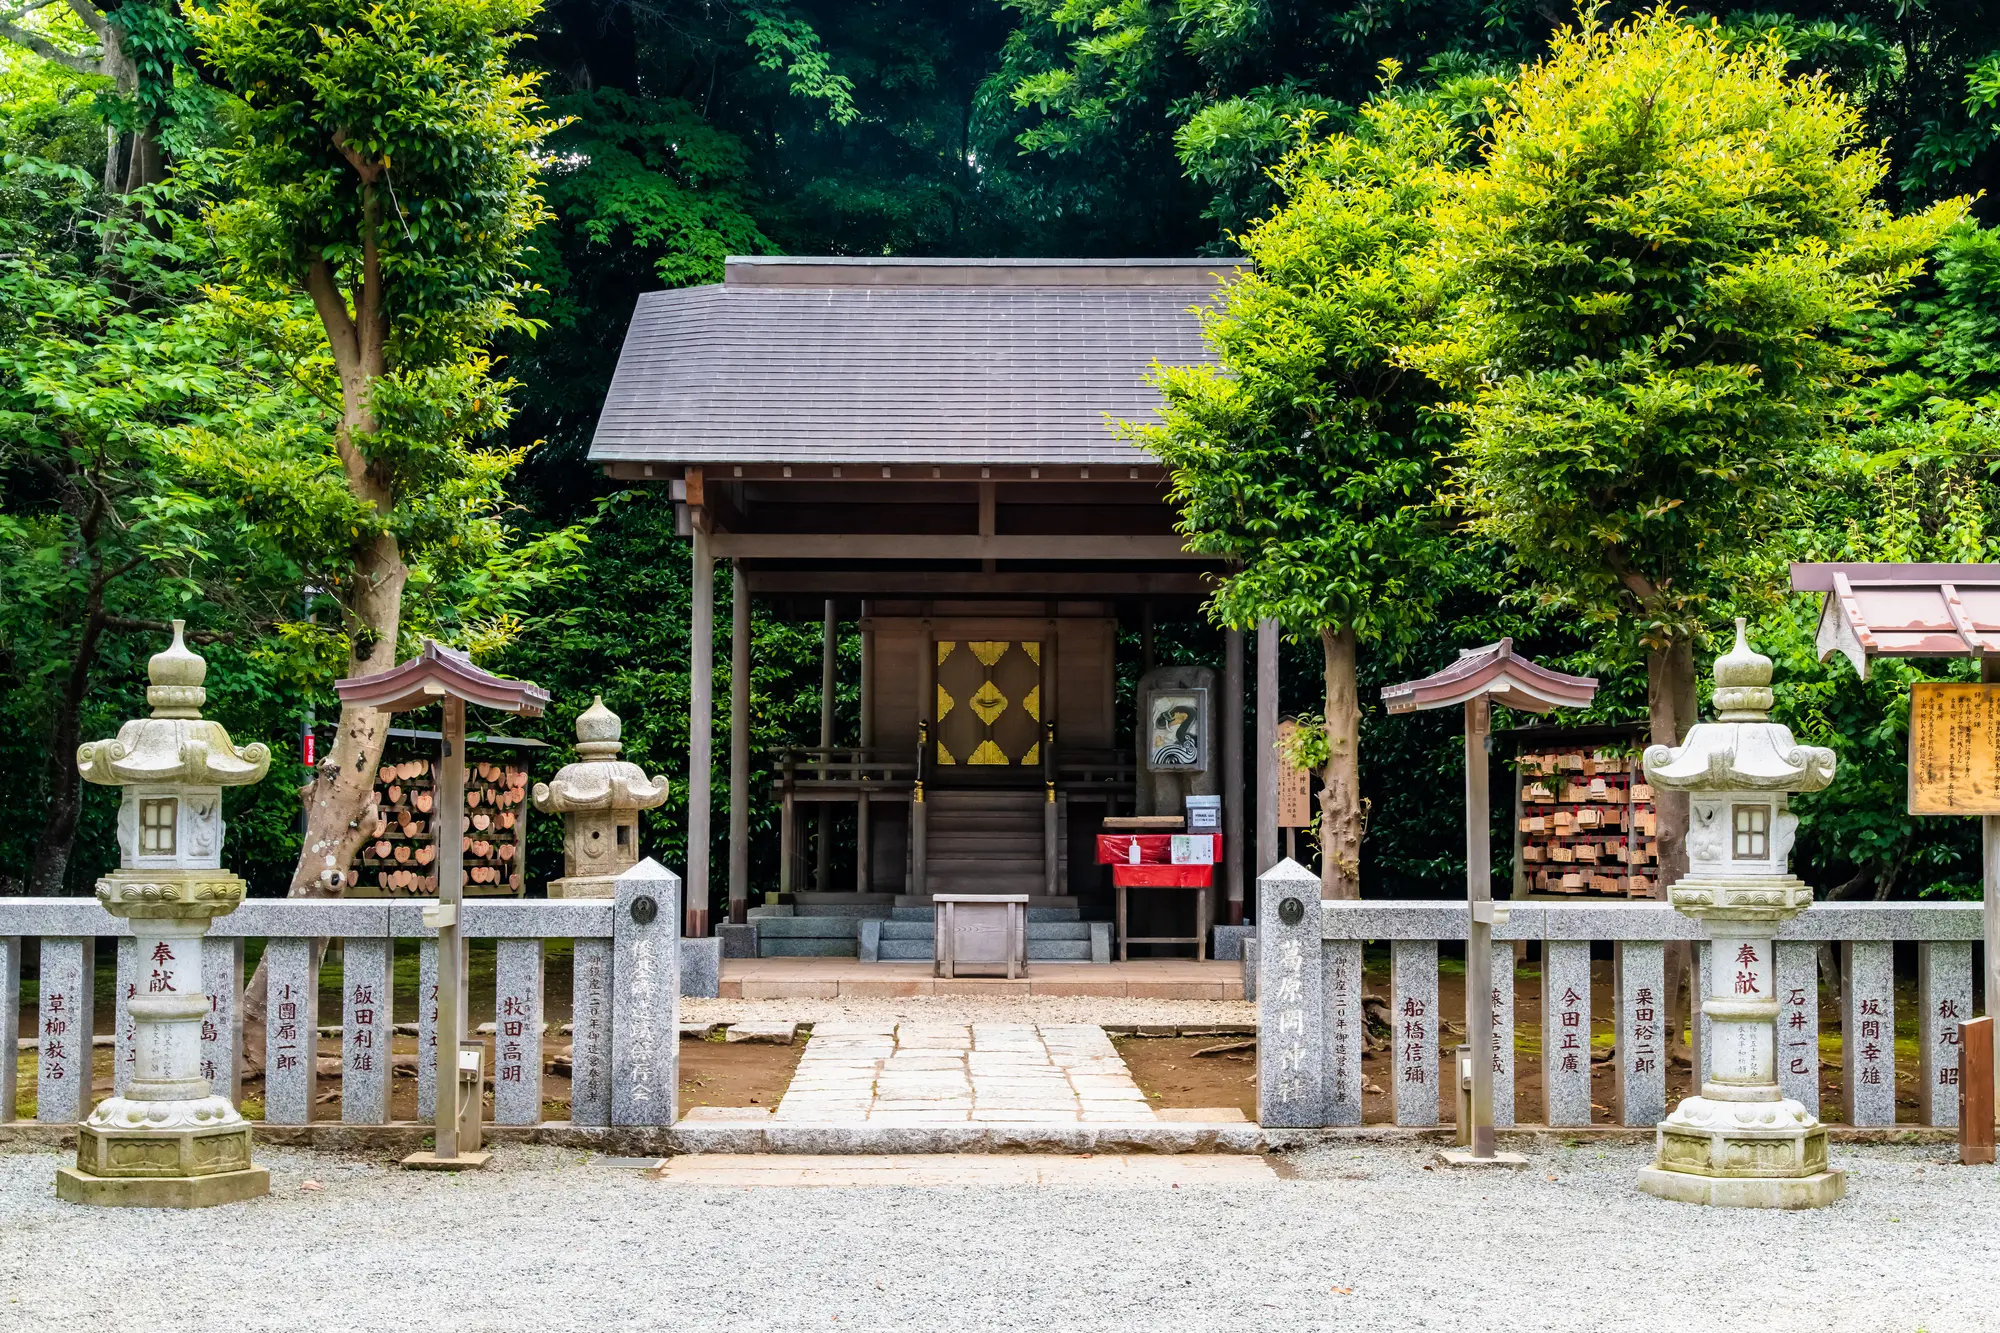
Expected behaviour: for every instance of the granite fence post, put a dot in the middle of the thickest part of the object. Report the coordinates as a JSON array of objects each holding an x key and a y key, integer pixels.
[
  {"x": 1345, "y": 1028},
  {"x": 1944, "y": 1000},
  {"x": 367, "y": 1022},
  {"x": 590, "y": 1033},
  {"x": 1291, "y": 1038},
  {"x": 291, "y": 1032},
  {"x": 124, "y": 1028},
  {"x": 10, "y": 1003},
  {"x": 1639, "y": 987},
  {"x": 646, "y": 999},
  {"x": 701, "y": 967},
  {"x": 1503, "y": 1034},
  {"x": 517, "y": 1032},
  {"x": 62, "y": 1094},
  {"x": 1798, "y": 1022},
  {"x": 1566, "y": 1031},
  {"x": 1413, "y": 1010},
  {"x": 427, "y": 1028},
  {"x": 222, "y": 1031},
  {"x": 1868, "y": 1032}
]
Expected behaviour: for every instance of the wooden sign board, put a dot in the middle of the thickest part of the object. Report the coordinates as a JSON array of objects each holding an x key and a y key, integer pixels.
[
  {"x": 1954, "y": 749},
  {"x": 1294, "y": 784}
]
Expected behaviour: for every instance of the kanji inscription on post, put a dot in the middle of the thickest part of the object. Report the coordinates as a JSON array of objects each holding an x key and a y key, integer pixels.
[{"x": 1954, "y": 749}]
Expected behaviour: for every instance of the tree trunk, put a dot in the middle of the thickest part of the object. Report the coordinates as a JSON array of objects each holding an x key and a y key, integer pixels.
[
  {"x": 338, "y": 802},
  {"x": 1341, "y": 812},
  {"x": 1670, "y": 707}
]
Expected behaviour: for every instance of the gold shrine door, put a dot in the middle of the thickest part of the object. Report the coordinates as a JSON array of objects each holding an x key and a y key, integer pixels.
[{"x": 988, "y": 722}]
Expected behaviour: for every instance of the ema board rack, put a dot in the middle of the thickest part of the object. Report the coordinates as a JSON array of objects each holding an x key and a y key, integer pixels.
[
  {"x": 399, "y": 858},
  {"x": 1585, "y": 825}
]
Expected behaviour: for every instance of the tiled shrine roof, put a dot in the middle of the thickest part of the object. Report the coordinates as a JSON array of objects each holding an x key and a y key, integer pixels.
[
  {"x": 1870, "y": 610},
  {"x": 903, "y": 361}
]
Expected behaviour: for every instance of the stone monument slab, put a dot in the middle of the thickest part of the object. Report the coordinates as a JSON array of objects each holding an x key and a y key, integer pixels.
[
  {"x": 1798, "y": 1023},
  {"x": 645, "y": 1015},
  {"x": 1291, "y": 1070},
  {"x": 1868, "y": 1033},
  {"x": 1639, "y": 993},
  {"x": 1944, "y": 1000},
  {"x": 1343, "y": 1024},
  {"x": 427, "y": 1028},
  {"x": 62, "y": 1092},
  {"x": 291, "y": 1032},
  {"x": 1413, "y": 1043},
  {"x": 517, "y": 1032},
  {"x": 367, "y": 1021},
  {"x": 1566, "y": 1031},
  {"x": 590, "y": 1033},
  {"x": 222, "y": 1034},
  {"x": 1502, "y": 1000}
]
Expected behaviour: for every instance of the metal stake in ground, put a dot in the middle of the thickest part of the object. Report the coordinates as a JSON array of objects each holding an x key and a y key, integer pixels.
[
  {"x": 1475, "y": 680},
  {"x": 442, "y": 676}
]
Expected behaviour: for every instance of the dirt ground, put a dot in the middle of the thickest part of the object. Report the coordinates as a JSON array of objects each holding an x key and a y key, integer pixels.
[{"x": 713, "y": 1073}]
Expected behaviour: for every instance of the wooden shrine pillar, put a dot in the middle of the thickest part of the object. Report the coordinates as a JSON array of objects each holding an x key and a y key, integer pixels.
[
  {"x": 864, "y": 878},
  {"x": 829, "y": 640},
  {"x": 926, "y": 700},
  {"x": 1232, "y": 775},
  {"x": 701, "y": 719},
  {"x": 739, "y": 744},
  {"x": 1267, "y": 745},
  {"x": 1051, "y": 813}
]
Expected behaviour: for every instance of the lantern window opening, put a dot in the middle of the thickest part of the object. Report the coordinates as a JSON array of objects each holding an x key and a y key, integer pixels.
[
  {"x": 1752, "y": 832},
  {"x": 159, "y": 818},
  {"x": 624, "y": 836}
]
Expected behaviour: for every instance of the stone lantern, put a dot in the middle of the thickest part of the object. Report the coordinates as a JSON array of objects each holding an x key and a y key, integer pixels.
[
  {"x": 1740, "y": 1142},
  {"x": 599, "y": 798},
  {"x": 170, "y": 1141}
]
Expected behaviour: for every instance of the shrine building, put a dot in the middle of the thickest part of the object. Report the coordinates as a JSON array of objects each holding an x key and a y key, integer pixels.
[{"x": 926, "y": 448}]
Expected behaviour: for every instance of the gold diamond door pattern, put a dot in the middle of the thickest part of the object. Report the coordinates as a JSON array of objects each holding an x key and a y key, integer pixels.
[{"x": 989, "y": 703}]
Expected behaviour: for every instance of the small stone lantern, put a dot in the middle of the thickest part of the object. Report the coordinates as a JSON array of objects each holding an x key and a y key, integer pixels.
[
  {"x": 170, "y": 1141},
  {"x": 599, "y": 798},
  {"x": 1740, "y": 1142}
]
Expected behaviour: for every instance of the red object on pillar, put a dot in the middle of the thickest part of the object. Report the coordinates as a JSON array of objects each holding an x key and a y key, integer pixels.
[{"x": 307, "y": 740}]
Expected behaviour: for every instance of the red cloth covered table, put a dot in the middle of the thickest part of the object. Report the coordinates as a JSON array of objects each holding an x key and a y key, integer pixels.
[{"x": 1156, "y": 869}]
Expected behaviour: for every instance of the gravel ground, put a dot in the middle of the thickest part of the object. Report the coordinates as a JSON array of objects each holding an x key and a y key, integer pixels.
[
  {"x": 1364, "y": 1238},
  {"x": 965, "y": 1008}
]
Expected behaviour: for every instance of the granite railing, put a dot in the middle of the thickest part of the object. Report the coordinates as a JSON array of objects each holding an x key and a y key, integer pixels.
[
  {"x": 627, "y": 976},
  {"x": 1312, "y": 1028}
]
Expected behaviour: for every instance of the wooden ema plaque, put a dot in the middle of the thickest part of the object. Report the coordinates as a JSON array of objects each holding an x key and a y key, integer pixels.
[
  {"x": 1954, "y": 749},
  {"x": 1294, "y": 784}
]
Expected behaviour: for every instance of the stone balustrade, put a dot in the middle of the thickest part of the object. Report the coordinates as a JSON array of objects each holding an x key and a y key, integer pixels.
[
  {"x": 628, "y": 975},
  {"x": 1312, "y": 1029}
]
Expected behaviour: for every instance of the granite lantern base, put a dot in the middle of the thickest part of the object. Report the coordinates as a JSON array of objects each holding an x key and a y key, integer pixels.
[
  {"x": 169, "y": 1141},
  {"x": 1741, "y": 1143}
]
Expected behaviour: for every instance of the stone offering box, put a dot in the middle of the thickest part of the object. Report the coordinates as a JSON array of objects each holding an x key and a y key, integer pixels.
[
  {"x": 981, "y": 934},
  {"x": 399, "y": 860}
]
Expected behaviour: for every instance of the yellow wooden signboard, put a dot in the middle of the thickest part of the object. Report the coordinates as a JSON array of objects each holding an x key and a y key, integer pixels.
[
  {"x": 1954, "y": 749},
  {"x": 1294, "y": 784}
]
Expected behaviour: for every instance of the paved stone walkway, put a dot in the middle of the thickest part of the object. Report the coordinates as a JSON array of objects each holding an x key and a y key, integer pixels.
[
  {"x": 790, "y": 1170},
  {"x": 944, "y": 1073}
]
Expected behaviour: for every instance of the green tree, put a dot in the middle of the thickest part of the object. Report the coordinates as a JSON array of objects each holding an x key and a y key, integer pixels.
[
  {"x": 1659, "y": 254},
  {"x": 385, "y": 170},
  {"x": 1306, "y": 455},
  {"x": 110, "y": 366}
]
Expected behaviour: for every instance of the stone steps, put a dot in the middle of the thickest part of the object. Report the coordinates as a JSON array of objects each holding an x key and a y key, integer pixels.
[{"x": 1057, "y": 941}]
